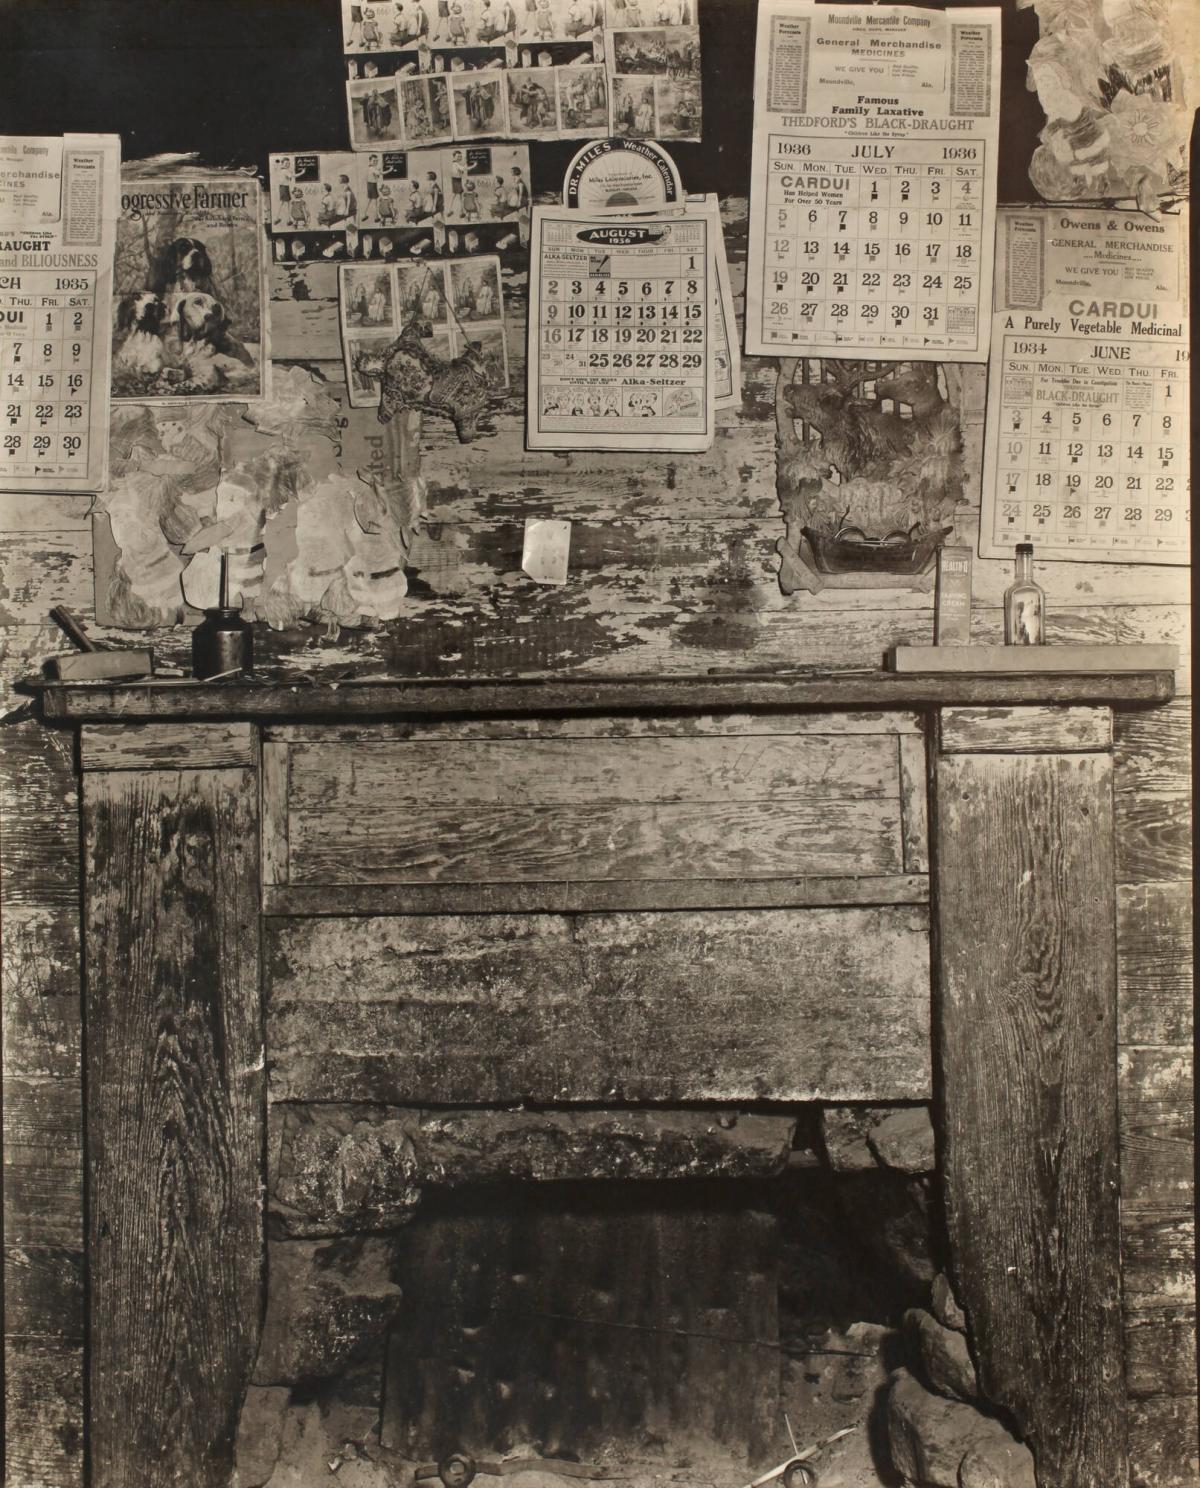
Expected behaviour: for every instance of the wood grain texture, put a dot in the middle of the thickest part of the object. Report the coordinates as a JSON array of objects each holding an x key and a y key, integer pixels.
[
  {"x": 280, "y": 695},
  {"x": 563, "y": 897},
  {"x": 1154, "y": 794},
  {"x": 41, "y": 569},
  {"x": 723, "y": 1005},
  {"x": 675, "y": 725},
  {"x": 1026, "y": 1015},
  {"x": 43, "y": 1398},
  {"x": 39, "y": 818},
  {"x": 189, "y": 746},
  {"x": 1154, "y": 963},
  {"x": 1163, "y": 1449},
  {"x": 43, "y": 1161},
  {"x": 273, "y": 779},
  {"x": 548, "y": 772},
  {"x": 400, "y": 843},
  {"x": 1024, "y": 730},
  {"x": 579, "y": 1315},
  {"x": 914, "y": 804},
  {"x": 174, "y": 1120},
  {"x": 1157, "y": 1127}
]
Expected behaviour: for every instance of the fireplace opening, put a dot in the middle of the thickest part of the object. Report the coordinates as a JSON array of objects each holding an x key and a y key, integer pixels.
[{"x": 650, "y": 1329}]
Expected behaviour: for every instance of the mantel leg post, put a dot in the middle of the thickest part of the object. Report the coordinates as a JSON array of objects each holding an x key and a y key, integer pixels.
[
  {"x": 1026, "y": 1026},
  {"x": 174, "y": 1106}
]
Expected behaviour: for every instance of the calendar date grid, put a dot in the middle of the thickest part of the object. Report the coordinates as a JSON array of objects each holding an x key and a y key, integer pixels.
[
  {"x": 46, "y": 335},
  {"x": 1091, "y": 456}
]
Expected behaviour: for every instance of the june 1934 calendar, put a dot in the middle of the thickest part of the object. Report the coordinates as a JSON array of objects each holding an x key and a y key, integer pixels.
[
  {"x": 58, "y": 212},
  {"x": 873, "y": 192},
  {"x": 1086, "y": 444},
  {"x": 620, "y": 331}
]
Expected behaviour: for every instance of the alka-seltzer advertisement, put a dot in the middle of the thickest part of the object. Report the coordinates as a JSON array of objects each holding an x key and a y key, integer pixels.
[
  {"x": 1086, "y": 445},
  {"x": 189, "y": 290},
  {"x": 58, "y": 209}
]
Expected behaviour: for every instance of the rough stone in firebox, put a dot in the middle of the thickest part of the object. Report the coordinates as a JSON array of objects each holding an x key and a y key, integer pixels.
[
  {"x": 932, "y": 1441},
  {"x": 327, "y": 1303},
  {"x": 860, "y": 1139},
  {"x": 945, "y": 1359},
  {"x": 944, "y": 1304}
]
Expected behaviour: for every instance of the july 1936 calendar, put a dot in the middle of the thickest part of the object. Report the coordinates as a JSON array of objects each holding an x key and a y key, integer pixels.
[
  {"x": 1086, "y": 444},
  {"x": 58, "y": 211},
  {"x": 874, "y": 181},
  {"x": 620, "y": 332}
]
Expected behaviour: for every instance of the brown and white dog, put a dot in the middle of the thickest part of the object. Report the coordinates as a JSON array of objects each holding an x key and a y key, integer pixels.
[
  {"x": 208, "y": 347},
  {"x": 140, "y": 320},
  {"x": 182, "y": 267}
]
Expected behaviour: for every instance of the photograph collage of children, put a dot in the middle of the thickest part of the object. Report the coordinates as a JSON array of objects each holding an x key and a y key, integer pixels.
[
  {"x": 448, "y": 307},
  {"x": 432, "y": 71},
  {"x": 393, "y": 205}
]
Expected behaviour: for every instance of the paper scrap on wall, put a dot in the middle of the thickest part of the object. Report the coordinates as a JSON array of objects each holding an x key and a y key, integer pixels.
[
  {"x": 449, "y": 308},
  {"x": 874, "y": 181},
  {"x": 58, "y": 213},
  {"x": 189, "y": 289},
  {"x": 1086, "y": 445},
  {"x": 620, "y": 351}
]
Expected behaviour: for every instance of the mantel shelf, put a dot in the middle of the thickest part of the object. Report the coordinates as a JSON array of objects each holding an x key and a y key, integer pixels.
[{"x": 269, "y": 698}]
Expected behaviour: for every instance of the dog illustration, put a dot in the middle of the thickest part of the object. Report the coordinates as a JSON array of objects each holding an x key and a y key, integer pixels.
[
  {"x": 140, "y": 322},
  {"x": 182, "y": 267},
  {"x": 208, "y": 346}
]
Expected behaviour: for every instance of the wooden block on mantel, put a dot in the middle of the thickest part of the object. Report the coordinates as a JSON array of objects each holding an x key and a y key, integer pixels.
[{"x": 1015, "y": 660}]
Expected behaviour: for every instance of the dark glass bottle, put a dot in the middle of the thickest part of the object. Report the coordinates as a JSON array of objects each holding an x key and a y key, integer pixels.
[
  {"x": 1024, "y": 604},
  {"x": 223, "y": 642}
]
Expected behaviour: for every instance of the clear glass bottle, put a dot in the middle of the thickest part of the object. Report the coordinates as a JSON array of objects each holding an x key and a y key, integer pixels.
[{"x": 1024, "y": 604}]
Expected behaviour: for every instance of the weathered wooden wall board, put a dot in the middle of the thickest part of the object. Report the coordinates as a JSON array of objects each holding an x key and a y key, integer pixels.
[
  {"x": 1026, "y": 1019},
  {"x": 778, "y": 1005},
  {"x": 174, "y": 1120}
]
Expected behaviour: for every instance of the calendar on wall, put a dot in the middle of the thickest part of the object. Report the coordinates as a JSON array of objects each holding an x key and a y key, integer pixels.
[
  {"x": 874, "y": 182},
  {"x": 621, "y": 352},
  {"x": 1087, "y": 437},
  {"x": 55, "y": 309}
]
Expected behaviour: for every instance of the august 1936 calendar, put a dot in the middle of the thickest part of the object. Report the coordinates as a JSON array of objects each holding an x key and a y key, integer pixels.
[
  {"x": 58, "y": 210},
  {"x": 1086, "y": 444},
  {"x": 620, "y": 331},
  {"x": 874, "y": 181}
]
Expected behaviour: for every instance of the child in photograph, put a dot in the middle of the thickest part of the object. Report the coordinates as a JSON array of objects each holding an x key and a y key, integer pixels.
[
  {"x": 431, "y": 200},
  {"x": 299, "y": 209},
  {"x": 413, "y": 210},
  {"x": 345, "y": 203},
  {"x": 372, "y": 37},
  {"x": 485, "y": 298},
  {"x": 518, "y": 192},
  {"x": 469, "y": 202},
  {"x": 456, "y": 31},
  {"x": 285, "y": 176},
  {"x": 326, "y": 208},
  {"x": 371, "y": 181},
  {"x": 386, "y": 206},
  {"x": 543, "y": 21},
  {"x": 356, "y": 25}
]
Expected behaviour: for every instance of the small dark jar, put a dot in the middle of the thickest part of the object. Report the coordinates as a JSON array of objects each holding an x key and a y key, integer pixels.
[{"x": 222, "y": 642}]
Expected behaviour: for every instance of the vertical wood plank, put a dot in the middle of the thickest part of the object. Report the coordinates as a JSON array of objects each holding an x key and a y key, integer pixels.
[
  {"x": 175, "y": 1120},
  {"x": 914, "y": 794},
  {"x": 275, "y": 777},
  {"x": 1026, "y": 1016}
]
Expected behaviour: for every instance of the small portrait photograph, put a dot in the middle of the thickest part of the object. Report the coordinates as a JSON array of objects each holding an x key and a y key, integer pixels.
[
  {"x": 682, "y": 47},
  {"x": 491, "y": 344},
  {"x": 582, "y": 99},
  {"x": 422, "y": 294},
  {"x": 633, "y": 107},
  {"x": 374, "y": 114},
  {"x": 531, "y": 102},
  {"x": 678, "y": 101},
  {"x": 475, "y": 287},
  {"x": 409, "y": 25},
  {"x": 640, "y": 51},
  {"x": 478, "y": 105},
  {"x": 368, "y": 298},
  {"x": 365, "y": 26}
]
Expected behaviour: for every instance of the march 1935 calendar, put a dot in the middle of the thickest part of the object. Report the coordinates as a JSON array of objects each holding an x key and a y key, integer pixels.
[
  {"x": 874, "y": 181},
  {"x": 1086, "y": 443},
  {"x": 58, "y": 212},
  {"x": 620, "y": 331}
]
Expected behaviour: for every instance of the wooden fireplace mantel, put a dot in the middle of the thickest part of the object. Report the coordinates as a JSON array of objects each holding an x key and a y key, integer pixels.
[{"x": 950, "y": 838}]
